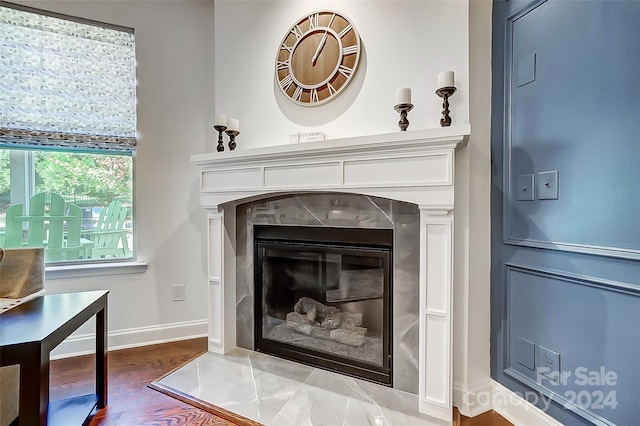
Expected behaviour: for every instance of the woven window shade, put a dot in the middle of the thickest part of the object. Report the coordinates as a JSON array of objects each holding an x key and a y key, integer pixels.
[{"x": 65, "y": 83}]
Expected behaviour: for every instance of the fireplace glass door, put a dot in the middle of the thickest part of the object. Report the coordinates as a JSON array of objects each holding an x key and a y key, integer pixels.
[{"x": 324, "y": 297}]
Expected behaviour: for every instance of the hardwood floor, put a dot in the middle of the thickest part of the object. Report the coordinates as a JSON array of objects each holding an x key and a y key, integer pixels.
[
  {"x": 131, "y": 402},
  {"x": 490, "y": 418}
]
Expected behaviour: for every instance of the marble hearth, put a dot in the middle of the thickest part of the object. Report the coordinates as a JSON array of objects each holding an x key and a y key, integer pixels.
[
  {"x": 277, "y": 392},
  {"x": 414, "y": 169}
]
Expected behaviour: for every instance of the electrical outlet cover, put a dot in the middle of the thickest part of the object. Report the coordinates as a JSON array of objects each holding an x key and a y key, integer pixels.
[
  {"x": 524, "y": 188},
  {"x": 549, "y": 364},
  {"x": 526, "y": 353},
  {"x": 178, "y": 292},
  {"x": 548, "y": 185}
]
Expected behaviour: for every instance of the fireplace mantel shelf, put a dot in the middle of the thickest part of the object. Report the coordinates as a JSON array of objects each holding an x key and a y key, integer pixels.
[
  {"x": 381, "y": 143},
  {"x": 413, "y": 166}
]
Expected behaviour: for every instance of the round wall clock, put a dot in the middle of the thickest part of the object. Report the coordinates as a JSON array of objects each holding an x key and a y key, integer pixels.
[{"x": 317, "y": 58}]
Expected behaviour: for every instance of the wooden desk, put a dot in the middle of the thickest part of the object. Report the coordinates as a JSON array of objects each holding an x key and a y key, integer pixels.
[{"x": 30, "y": 331}]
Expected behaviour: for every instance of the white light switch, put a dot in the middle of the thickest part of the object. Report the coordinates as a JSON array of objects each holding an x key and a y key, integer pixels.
[
  {"x": 548, "y": 185},
  {"x": 524, "y": 189}
]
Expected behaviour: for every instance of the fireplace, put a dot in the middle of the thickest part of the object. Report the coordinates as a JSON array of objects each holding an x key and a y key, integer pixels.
[
  {"x": 415, "y": 167},
  {"x": 353, "y": 222},
  {"x": 323, "y": 297}
]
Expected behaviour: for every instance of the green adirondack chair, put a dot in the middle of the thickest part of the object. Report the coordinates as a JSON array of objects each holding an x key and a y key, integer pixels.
[
  {"x": 61, "y": 238},
  {"x": 15, "y": 231},
  {"x": 64, "y": 244},
  {"x": 110, "y": 235}
]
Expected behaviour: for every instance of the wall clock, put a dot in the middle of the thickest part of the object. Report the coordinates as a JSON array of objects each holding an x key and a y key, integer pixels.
[{"x": 317, "y": 58}]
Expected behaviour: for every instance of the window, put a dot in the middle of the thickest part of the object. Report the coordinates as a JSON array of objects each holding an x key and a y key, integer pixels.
[{"x": 67, "y": 135}]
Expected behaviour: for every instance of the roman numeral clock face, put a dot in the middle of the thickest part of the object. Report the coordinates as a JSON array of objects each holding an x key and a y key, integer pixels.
[{"x": 317, "y": 58}]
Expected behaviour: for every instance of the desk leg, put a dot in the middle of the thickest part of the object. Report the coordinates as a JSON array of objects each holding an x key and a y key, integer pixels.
[
  {"x": 101, "y": 355},
  {"x": 34, "y": 387}
]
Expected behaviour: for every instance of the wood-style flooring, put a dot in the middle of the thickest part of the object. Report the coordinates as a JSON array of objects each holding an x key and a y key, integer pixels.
[
  {"x": 132, "y": 403},
  {"x": 490, "y": 418}
]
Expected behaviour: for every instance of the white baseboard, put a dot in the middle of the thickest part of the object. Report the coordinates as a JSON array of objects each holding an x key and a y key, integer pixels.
[
  {"x": 84, "y": 344},
  {"x": 518, "y": 410},
  {"x": 472, "y": 400}
]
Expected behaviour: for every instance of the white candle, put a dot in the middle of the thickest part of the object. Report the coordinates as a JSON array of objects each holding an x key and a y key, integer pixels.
[
  {"x": 445, "y": 79},
  {"x": 221, "y": 120},
  {"x": 233, "y": 124},
  {"x": 403, "y": 96}
]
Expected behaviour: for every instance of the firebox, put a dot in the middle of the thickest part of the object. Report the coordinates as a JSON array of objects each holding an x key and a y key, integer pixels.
[{"x": 323, "y": 297}]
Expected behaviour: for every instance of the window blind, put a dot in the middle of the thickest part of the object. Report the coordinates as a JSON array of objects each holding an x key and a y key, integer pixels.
[{"x": 65, "y": 83}]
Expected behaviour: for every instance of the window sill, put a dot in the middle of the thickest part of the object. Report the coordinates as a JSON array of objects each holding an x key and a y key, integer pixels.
[{"x": 94, "y": 270}]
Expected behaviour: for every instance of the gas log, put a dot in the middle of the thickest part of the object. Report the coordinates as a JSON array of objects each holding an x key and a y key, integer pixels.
[{"x": 310, "y": 315}]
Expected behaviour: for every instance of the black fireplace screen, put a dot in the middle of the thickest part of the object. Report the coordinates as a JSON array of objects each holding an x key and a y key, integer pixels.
[{"x": 323, "y": 297}]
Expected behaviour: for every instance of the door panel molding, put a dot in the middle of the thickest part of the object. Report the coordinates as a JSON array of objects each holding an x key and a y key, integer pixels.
[{"x": 509, "y": 196}]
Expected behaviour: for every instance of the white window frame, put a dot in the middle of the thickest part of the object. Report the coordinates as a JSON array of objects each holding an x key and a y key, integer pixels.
[{"x": 22, "y": 187}]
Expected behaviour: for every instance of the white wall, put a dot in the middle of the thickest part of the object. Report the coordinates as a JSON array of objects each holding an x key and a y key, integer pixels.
[
  {"x": 174, "y": 49},
  {"x": 473, "y": 229},
  {"x": 406, "y": 44}
]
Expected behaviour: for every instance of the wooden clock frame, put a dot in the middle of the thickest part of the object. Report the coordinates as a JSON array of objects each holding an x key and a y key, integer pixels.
[{"x": 317, "y": 58}]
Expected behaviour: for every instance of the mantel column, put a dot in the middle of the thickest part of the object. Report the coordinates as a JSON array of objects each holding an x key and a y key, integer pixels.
[
  {"x": 436, "y": 287},
  {"x": 221, "y": 292}
]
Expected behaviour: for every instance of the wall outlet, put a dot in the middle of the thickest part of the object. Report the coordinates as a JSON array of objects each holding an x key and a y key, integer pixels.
[
  {"x": 178, "y": 292},
  {"x": 548, "y": 364}
]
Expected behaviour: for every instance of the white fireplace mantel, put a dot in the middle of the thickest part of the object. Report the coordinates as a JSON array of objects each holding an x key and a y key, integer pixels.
[{"x": 412, "y": 166}]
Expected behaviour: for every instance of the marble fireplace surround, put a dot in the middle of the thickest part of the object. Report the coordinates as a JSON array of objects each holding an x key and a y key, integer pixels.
[
  {"x": 413, "y": 166},
  {"x": 338, "y": 210}
]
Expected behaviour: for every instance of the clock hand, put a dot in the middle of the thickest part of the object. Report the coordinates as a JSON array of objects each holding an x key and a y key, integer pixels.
[
  {"x": 319, "y": 49},
  {"x": 322, "y": 42}
]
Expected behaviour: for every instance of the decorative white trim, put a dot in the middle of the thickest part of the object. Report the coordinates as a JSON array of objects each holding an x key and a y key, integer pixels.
[
  {"x": 436, "y": 210},
  {"x": 93, "y": 270},
  {"x": 472, "y": 400},
  {"x": 215, "y": 290},
  {"x": 361, "y": 146},
  {"x": 84, "y": 344},
  {"x": 416, "y": 167},
  {"x": 518, "y": 410},
  {"x": 222, "y": 288},
  {"x": 436, "y": 289}
]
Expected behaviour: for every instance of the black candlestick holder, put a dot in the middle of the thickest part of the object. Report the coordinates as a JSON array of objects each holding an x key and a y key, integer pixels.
[
  {"x": 232, "y": 138},
  {"x": 445, "y": 93},
  {"x": 403, "y": 109},
  {"x": 220, "y": 129}
]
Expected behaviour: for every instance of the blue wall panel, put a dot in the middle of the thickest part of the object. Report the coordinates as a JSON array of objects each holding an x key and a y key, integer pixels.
[
  {"x": 579, "y": 115},
  {"x": 578, "y": 318},
  {"x": 565, "y": 273}
]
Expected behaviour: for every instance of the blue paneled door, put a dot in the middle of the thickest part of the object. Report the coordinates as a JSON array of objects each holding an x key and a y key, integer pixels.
[{"x": 566, "y": 207}]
